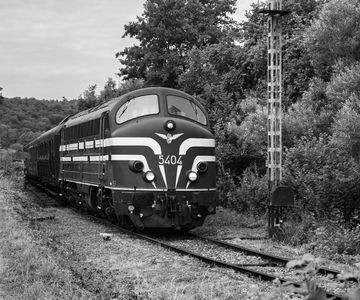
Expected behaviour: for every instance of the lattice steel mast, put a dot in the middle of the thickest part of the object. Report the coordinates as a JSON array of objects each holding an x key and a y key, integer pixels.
[
  {"x": 280, "y": 197},
  {"x": 274, "y": 91}
]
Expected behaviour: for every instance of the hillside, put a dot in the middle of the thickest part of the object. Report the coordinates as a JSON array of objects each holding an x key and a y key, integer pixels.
[{"x": 21, "y": 120}]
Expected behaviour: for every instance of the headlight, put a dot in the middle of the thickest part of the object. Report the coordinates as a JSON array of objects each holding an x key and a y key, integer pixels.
[
  {"x": 169, "y": 125},
  {"x": 202, "y": 166},
  {"x": 192, "y": 176},
  {"x": 149, "y": 176},
  {"x": 136, "y": 166}
]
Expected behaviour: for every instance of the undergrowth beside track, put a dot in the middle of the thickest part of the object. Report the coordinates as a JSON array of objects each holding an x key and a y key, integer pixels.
[{"x": 31, "y": 271}]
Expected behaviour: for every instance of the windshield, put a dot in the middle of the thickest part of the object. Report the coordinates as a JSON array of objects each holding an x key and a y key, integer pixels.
[
  {"x": 137, "y": 107},
  {"x": 183, "y": 107}
]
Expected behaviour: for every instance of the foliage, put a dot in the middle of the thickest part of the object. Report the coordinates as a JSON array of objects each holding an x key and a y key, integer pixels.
[
  {"x": 334, "y": 36},
  {"x": 1, "y": 96},
  {"x": 109, "y": 91},
  {"x": 309, "y": 266},
  {"x": 88, "y": 99},
  {"x": 299, "y": 227},
  {"x": 216, "y": 76},
  {"x": 246, "y": 139},
  {"x": 23, "y": 119},
  {"x": 248, "y": 194},
  {"x": 302, "y": 120},
  {"x": 344, "y": 84},
  {"x": 334, "y": 238},
  {"x": 346, "y": 127},
  {"x": 297, "y": 68},
  {"x": 325, "y": 177},
  {"x": 167, "y": 31},
  {"x": 252, "y": 192}
]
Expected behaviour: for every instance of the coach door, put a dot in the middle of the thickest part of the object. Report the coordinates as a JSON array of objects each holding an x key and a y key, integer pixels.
[{"x": 104, "y": 127}]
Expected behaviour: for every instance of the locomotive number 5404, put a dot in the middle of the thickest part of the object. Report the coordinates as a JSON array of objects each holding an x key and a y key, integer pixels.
[{"x": 170, "y": 160}]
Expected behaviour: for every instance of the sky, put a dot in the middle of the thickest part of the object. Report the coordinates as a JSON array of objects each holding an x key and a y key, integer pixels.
[{"x": 50, "y": 49}]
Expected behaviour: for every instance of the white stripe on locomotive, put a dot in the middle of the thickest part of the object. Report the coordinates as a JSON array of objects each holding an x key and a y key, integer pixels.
[{"x": 195, "y": 142}]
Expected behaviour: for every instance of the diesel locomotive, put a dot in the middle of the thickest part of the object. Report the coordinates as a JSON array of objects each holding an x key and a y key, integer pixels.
[{"x": 146, "y": 158}]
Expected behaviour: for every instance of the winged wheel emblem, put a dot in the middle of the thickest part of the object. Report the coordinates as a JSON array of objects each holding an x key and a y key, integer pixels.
[{"x": 169, "y": 137}]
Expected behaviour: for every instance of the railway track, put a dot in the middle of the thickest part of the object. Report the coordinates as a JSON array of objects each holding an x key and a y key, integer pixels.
[
  {"x": 252, "y": 268},
  {"x": 243, "y": 260}
]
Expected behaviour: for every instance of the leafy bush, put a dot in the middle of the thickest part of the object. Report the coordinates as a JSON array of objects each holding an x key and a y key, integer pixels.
[
  {"x": 324, "y": 177},
  {"x": 248, "y": 194},
  {"x": 298, "y": 230},
  {"x": 9, "y": 168},
  {"x": 346, "y": 127},
  {"x": 333, "y": 238},
  {"x": 252, "y": 192}
]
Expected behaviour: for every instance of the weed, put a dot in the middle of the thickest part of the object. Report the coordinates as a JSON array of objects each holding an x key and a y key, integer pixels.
[{"x": 309, "y": 266}]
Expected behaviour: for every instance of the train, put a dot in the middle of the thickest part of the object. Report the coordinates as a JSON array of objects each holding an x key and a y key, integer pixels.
[{"x": 145, "y": 159}]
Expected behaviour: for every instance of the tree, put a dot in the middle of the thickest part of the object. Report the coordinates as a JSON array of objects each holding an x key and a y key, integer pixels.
[
  {"x": 1, "y": 96},
  {"x": 344, "y": 83},
  {"x": 334, "y": 36},
  {"x": 108, "y": 92},
  {"x": 167, "y": 31},
  {"x": 129, "y": 85},
  {"x": 17, "y": 147},
  {"x": 297, "y": 68},
  {"x": 88, "y": 99}
]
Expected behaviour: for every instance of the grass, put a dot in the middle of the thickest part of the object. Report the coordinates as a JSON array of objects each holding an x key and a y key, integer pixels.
[{"x": 31, "y": 270}]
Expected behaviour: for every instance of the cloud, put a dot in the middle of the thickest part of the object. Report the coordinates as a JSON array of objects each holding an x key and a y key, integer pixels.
[{"x": 52, "y": 48}]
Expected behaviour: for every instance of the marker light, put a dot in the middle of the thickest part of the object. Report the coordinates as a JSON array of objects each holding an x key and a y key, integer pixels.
[
  {"x": 192, "y": 176},
  {"x": 170, "y": 125},
  {"x": 149, "y": 176},
  {"x": 131, "y": 208}
]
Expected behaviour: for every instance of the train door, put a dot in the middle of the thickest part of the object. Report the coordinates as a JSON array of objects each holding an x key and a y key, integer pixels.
[
  {"x": 61, "y": 153},
  {"x": 104, "y": 127},
  {"x": 56, "y": 156},
  {"x": 50, "y": 157}
]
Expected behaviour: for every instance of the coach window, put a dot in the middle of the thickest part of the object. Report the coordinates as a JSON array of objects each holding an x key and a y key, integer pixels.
[
  {"x": 137, "y": 107},
  {"x": 183, "y": 107}
]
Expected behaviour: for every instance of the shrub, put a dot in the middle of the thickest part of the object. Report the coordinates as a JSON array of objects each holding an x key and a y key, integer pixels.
[
  {"x": 324, "y": 177},
  {"x": 252, "y": 192},
  {"x": 333, "y": 238},
  {"x": 248, "y": 194},
  {"x": 298, "y": 230}
]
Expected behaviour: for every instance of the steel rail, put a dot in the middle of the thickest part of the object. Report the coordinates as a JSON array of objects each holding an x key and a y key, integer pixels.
[
  {"x": 274, "y": 258},
  {"x": 219, "y": 263}
]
